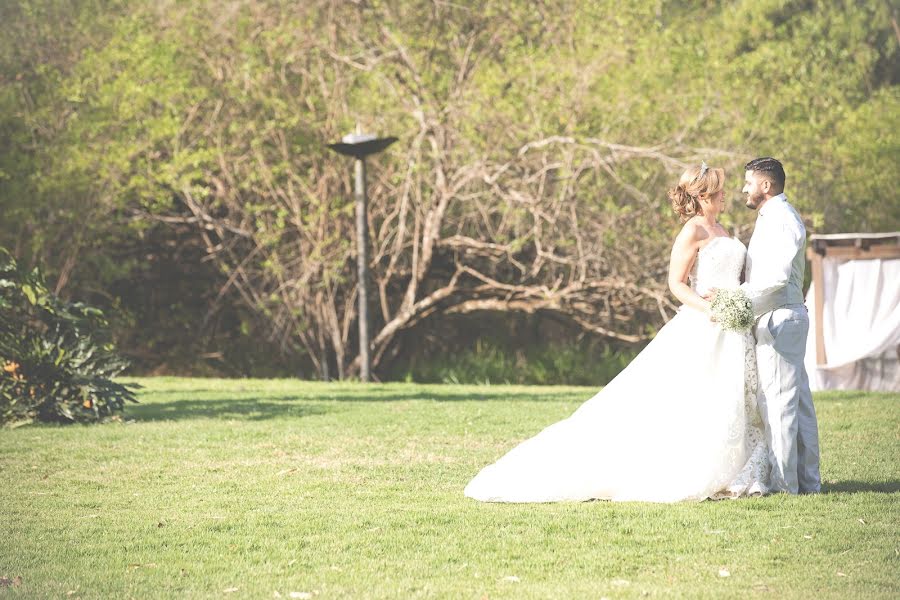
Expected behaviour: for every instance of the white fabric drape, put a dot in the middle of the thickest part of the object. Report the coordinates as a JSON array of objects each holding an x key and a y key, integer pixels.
[{"x": 861, "y": 325}]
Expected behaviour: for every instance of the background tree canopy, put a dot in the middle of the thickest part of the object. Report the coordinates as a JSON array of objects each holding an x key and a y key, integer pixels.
[{"x": 168, "y": 160}]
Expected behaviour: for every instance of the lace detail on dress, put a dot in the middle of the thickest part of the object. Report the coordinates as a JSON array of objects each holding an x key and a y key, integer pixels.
[
  {"x": 722, "y": 269},
  {"x": 753, "y": 480}
]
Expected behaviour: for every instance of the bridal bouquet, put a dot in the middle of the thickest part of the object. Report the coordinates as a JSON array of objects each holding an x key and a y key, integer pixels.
[{"x": 732, "y": 310}]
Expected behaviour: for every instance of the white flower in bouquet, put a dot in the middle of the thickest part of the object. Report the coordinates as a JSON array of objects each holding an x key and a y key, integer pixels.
[{"x": 732, "y": 310}]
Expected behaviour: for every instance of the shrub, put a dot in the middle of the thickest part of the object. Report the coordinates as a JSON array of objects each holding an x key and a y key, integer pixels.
[
  {"x": 554, "y": 364},
  {"x": 56, "y": 361}
]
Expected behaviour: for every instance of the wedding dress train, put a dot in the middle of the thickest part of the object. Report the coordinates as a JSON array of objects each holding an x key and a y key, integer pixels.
[{"x": 679, "y": 423}]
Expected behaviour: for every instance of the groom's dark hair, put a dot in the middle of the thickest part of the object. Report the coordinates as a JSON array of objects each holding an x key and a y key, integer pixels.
[{"x": 770, "y": 168}]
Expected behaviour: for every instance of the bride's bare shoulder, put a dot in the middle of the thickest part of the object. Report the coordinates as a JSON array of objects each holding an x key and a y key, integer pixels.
[{"x": 692, "y": 232}]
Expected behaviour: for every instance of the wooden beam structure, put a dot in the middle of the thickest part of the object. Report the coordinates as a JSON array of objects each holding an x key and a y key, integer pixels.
[{"x": 818, "y": 277}]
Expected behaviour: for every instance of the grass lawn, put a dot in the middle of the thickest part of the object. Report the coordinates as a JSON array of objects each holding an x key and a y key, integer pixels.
[{"x": 266, "y": 489}]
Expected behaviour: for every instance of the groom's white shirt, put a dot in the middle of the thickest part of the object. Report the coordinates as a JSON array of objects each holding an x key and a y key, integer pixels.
[
  {"x": 775, "y": 265},
  {"x": 775, "y": 261}
]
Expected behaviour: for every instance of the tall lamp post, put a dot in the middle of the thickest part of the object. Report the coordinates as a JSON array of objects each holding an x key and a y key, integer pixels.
[{"x": 360, "y": 145}]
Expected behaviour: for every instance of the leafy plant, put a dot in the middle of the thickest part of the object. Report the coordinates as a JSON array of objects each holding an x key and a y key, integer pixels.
[
  {"x": 56, "y": 363},
  {"x": 496, "y": 363}
]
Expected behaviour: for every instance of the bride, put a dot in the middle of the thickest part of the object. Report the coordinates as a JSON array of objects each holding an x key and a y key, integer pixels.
[{"x": 681, "y": 421}]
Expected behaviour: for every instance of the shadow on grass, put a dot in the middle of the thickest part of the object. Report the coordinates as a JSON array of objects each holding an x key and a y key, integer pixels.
[
  {"x": 857, "y": 487},
  {"x": 255, "y": 405},
  {"x": 375, "y": 395},
  {"x": 224, "y": 408}
]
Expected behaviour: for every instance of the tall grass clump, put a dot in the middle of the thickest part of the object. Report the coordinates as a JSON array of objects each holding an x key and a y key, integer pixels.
[{"x": 487, "y": 362}]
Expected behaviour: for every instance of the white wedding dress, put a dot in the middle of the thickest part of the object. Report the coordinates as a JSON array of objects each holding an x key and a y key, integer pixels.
[{"x": 679, "y": 423}]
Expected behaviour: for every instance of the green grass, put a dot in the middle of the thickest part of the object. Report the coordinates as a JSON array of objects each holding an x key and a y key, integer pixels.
[{"x": 349, "y": 490}]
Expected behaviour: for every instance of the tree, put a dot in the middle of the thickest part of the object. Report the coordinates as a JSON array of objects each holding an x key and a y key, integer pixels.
[{"x": 537, "y": 142}]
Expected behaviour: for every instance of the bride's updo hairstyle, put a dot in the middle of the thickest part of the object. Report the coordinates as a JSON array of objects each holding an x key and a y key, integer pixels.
[{"x": 695, "y": 183}]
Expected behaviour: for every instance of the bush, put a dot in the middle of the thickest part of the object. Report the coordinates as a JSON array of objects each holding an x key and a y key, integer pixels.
[
  {"x": 56, "y": 360},
  {"x": 552, "y": 364}
]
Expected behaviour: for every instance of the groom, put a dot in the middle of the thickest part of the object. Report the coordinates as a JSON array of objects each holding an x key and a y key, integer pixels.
[{"x": 774, "y": 283}]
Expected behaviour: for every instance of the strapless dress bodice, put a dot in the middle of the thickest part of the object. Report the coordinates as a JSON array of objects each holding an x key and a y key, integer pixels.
[{"x": 719, "y": 265}]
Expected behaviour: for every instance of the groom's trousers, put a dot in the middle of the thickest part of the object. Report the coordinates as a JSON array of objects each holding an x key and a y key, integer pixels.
[{"x": 785, "y": 401}]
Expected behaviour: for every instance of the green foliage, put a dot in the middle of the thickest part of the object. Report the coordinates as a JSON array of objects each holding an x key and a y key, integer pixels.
[
  {"x": 491, "y": 363},
  {"x": 56, "y": 364},
  {"x": 113, "y": 112}
]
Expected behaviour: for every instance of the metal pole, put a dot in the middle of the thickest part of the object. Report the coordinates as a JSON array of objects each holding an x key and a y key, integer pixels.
[
  {"x": 359, "y": 145},
  {"x": 362, "y": 263}
]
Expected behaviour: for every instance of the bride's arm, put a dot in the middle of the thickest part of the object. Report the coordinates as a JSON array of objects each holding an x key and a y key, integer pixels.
[{"x": 684, "y": 252}]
